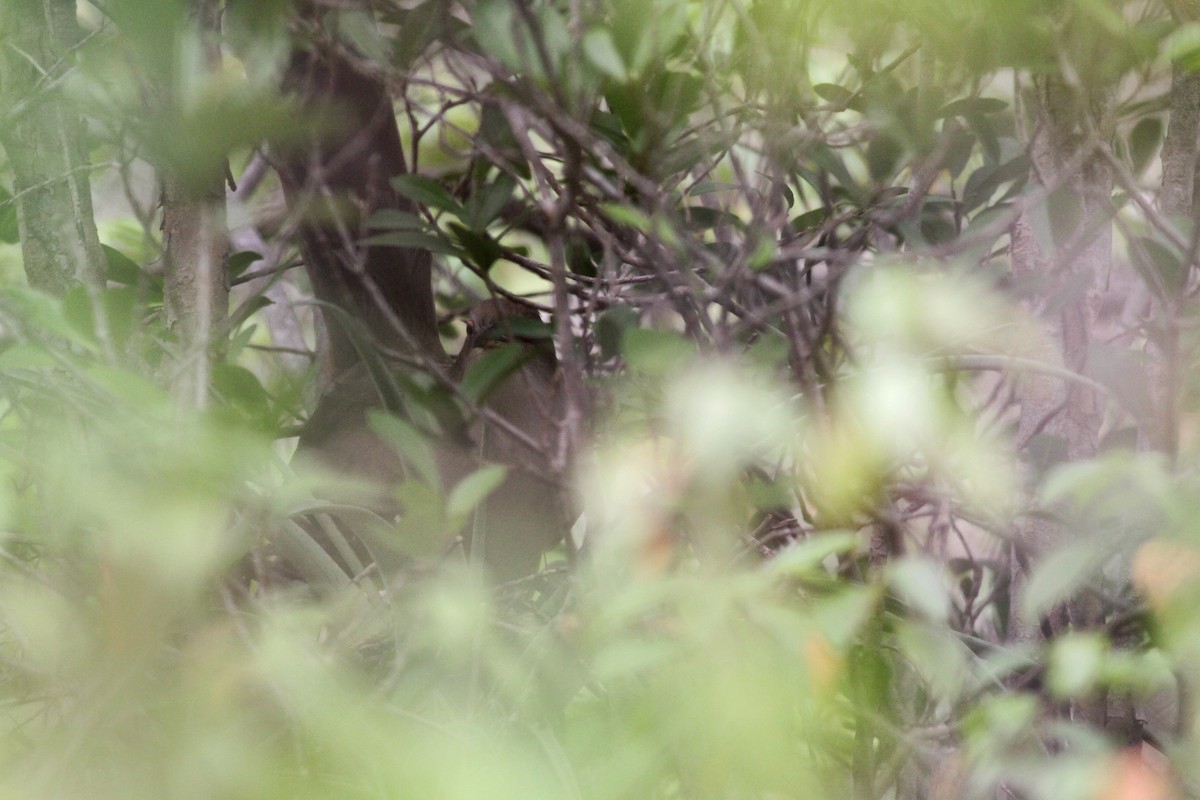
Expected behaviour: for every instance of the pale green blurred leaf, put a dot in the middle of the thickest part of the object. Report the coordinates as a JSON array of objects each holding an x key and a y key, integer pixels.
[
  {"x": 472, "y": 490},
  {"x": 1060, "y": 574},
  {"x": 922, "y": 583}
]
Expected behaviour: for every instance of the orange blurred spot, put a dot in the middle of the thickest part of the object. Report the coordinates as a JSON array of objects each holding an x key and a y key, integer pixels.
[
  {"x": 1161, "y": 568},
  {"x": 1136, "y": 775},
  {"x": 822, "y": 661},
  {"x": 656, "y": 553}
]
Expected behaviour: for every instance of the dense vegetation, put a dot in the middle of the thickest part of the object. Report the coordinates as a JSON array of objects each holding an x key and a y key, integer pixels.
[{"x": 876, "y": 328}]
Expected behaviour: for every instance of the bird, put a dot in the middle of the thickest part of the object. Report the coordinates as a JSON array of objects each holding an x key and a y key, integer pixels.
[
  {"x": 517, "y": 426},
  {"x": 527, "y": 515}
]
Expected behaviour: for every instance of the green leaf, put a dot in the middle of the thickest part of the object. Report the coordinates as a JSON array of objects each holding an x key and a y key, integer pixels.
[
  {"x": 1059, "y": 575},
  {"x": 973, "y": 105},
  {"x": 121, "y": 268},
  {"x": 628, "y": 215},
  {"x": 763, "y": 254},
  {"x": 44, "y": 313},
  {"x": 705, "y": 218},
  {"x": 883, "y": 156},
  {"x": 304, "y": 553},
  {"x": 357, "y": 28},
  {"x": 496, "y": 31},
  {"x": 838, "y": 95},
  {"x": 581, "y": 259},
  {"x": 922, "y": 584},
  {"x": 986, "y": 132},
  {"x": 601, "y": 51},
  {"x": 389, "y": 392},
  {"x": 129, "y": 387},
  {"x": 410, "y": 443},
  {"x": 393, "y": 219},
  {"x": 808, "y": 557},
  {"x": 808, "y": 220},
  {"x": 842, "y": 616},
  {"x": 491, "y": 369},
  {"x": 611, "y": 326},
  {"x": 419, "y": 241},
  {"x": 486, "y": 204},
  {"x": 1183, "y": 46},
  {"x": 937, "y": 655},
  {"x": 480, "y": 247},
  {"x": 983, "y": 182},
  {"x": 9, "y": 230},
  {"x": 22, "y": 356},
  {"x": 121, "y": 306},
  {"x": 1076, "y": 664},
  {"x": 656, "y": 352},
  {"x": 473, "y": 490},
  {"x": 422, "y": 529},
  {"x": 239, "y": 341},
  {"x": 710, "y": 186},
  {"x": 495, "y": 131},
  {"x": 414, "y": 29},
  {"x": 1144, "y": 141},
  {"x": 962, "y": 146},
  {"x": 241, "y": 388},
  {"x": 240, "y": 262},
  {"x": 1003, "y": 719},
  {"x": 427, "y": 192},
  {"x": 1162, "y": 268},
  {"x": 825, "y": 158}
]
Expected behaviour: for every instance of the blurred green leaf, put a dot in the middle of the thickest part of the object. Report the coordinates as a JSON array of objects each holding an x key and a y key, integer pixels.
[
  {"x": 1163, "y": 269},
  {"x": 492, "y": 369},
  {"x": 121, "y": 268},
  {"x": 9, "y": 232},
  {"x": 808, "y": 556},
  {"x": 601, "y": 51},
  {"x": 655, "y": 352},
  {"x": 410, "y": 443},
  {"x": 481, "y": 248},
  {"x": 420, "y": 241},
  {"x": 240, "y": 262},
  {"x": 486, "y": 204},
  {"x": 1059, "y": 575},
  {"x": 43, "y": 313},
  {"x": 472, "y": 490},
  {"x": 611, "y": 327},
  {"x": 427, "y": 192},
  {"x": 838, "y": 95},
  {"x": 883, "y": 157},
  {"x": 1144, "y": 141},
  {"x": 973, "y": 105},
  {"x": 922, "y": 584},
  {"x": 1076, "y": 664},
  {"x": 242, "y": 388}
]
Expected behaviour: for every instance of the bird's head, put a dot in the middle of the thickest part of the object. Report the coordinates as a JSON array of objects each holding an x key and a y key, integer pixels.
[{"x": 498, "y": 321}]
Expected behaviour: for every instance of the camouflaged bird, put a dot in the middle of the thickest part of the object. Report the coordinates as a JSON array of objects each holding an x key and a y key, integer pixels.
[{"x": 517, "y": 427}]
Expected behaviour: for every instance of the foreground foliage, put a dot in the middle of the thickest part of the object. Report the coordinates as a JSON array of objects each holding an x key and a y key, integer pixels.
[{"x": 785, "y": 246}]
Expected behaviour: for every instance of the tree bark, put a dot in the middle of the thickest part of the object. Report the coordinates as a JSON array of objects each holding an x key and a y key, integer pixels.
[
  {"x": 1161, "y": 431},
  {"x": 196, "y": 291},
  {"x": 44, "y": 139},
  {"x": 335, "y": 182},
  {"x": 1064, "y": 279}
]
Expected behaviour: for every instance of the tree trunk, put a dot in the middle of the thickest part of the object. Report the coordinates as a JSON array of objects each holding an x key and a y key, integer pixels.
[
  {"x": 1064, "y": 279},
  {"x": 44, "y": 140},
  {"x": 1161, "y": 431},
  {"x": 335, "y": 182},
  {"x": 196, "y": 292}
]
